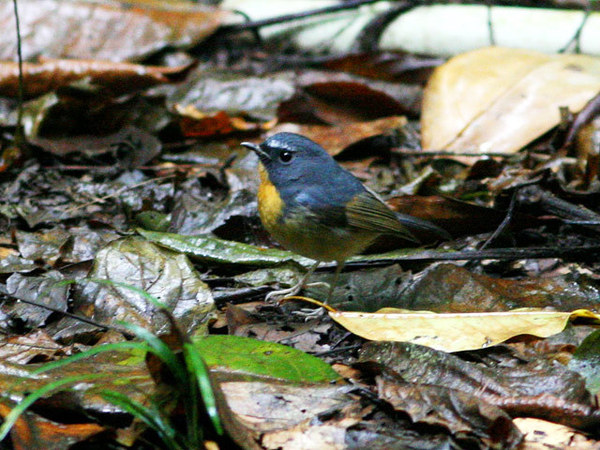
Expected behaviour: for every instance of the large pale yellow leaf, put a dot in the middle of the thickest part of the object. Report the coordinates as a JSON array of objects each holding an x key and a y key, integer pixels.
[
  {"x": 498, "y": 99},
  {"x": 455, "y": 332}
]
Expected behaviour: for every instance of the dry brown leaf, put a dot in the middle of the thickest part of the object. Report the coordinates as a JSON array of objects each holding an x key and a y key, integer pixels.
[
  {"x": 455, "y": 332},
  {"x": 498, "y": 100},
  {"x": 334, "y": 139},
  {"x": 50, "y": 74},
  {"x": 108, "y": 31}
]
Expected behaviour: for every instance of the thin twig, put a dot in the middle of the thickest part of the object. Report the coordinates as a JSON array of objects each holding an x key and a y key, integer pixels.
[
  {"x": 291, "y": 17},
  {"x": 73, "y": 316},
  {"x": 569, "y": 253},
  {"x": 19, "y": 134},
  {"x": 505, "y": 221}
]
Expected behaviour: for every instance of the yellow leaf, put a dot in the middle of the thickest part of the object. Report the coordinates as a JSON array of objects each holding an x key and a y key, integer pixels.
[
  {"x": 455, "y": 332},
  {"x": 498, "y": 99}
]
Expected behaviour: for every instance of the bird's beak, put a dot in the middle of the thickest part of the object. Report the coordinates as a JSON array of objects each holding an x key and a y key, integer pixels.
[{"x": 264, "y": 156}]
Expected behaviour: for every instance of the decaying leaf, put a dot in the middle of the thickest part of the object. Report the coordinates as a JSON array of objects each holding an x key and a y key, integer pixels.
[
  {"x": 50, "y": 74},
  {"x": 106, "y": 31}
]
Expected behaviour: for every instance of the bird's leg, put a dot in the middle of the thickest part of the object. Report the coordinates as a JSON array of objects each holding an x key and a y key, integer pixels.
[
  {"x": 282, "y": 293},
  {"x": 320, "y": 312},
  {"x": 336, "y": 276}
]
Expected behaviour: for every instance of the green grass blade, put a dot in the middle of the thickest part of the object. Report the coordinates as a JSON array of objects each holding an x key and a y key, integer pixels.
[
  {"x": 14, "y": 414},
  {"x": 199, "y": 372},
  {"x": 117, "y": 346},
  {"x": 160, "y": 349},
  {"x": 149, "y": 416}
]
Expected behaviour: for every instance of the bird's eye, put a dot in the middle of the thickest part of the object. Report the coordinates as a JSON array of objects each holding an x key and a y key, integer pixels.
[{"x": 286, "y": 156}]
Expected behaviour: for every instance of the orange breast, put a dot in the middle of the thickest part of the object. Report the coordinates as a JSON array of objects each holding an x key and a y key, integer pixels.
[{"x": 270, "y": 205}]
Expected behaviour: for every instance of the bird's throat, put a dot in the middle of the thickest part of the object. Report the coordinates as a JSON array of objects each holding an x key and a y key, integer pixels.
[{"x": 270, "y": 204}]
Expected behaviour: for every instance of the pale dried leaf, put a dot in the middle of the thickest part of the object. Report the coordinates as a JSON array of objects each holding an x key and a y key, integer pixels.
[
  {"x": 454, "y": 332},
  {"x": 498, "y": 100}
]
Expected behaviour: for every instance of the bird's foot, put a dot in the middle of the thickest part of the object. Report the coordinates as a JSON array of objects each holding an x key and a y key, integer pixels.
[
  {"x": 310, "y": 314},
  {"x": 280, "y": 294}
]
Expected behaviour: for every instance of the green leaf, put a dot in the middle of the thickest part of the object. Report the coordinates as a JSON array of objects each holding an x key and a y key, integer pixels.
[
  {"x": 586, "y": 361},
  {"x": 213, "y": 250},
  {"x": 252, "y": 357}
]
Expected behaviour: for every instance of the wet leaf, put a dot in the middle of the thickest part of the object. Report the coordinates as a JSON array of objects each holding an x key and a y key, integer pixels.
[
  {"x": 36, "y": 346},
  {"x": 254, "y": 358},
  {"x": 167, "y": 276},
  {"x": 364, "y": 290},
  {"x": 450, "y": 288},
  {"x": 196, "y": 215},
  {"x": 10, "y": 262},
  {"x": 216, "y": 93},
  {"x": 498, "y": 99},
  {"x": 129, "y": 377},
  {"x": 453, "y": 409},
  {"x": 586, "y": 361},
  {"x": 213, "y": 250},
  {"x": 332, "y": 98},
  {"x": 43, "y": 290},
  {"x": 43, "y": 246},
  {"x": 334, "y": 139},
  {"x": 50, "y": 74},
  {"x": 132, "y": 146},
  {"x": 255, "y": 399},
  {"x": 33, "y": 431},
  {"x": 493, "y": 372},
  {"x": 390, "y": 66},
  {"x": 105, "y": 31},
  {"x": 454, "y": 332}
]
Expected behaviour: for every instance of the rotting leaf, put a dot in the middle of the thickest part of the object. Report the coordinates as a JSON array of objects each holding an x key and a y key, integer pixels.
[
  {"x": 43, "y": 245},
  {"x": 586, "y": 361},
  {"x": 104, "y": 31},
  {"x": 34, "y": 431},
  {"x": 552, "y": 435},
  {"x": 331, "y": 98},
  {"x": 269, "y": 406},
  {"x": 120, "y": 374},
  {"x": 461, "y": 413},
  {"x": 455, "y": 332},
  {"x": 41, "y": 289},
  {"x": 450, "y": 288},
  {"x": 334, "y": 139},
  {"x": 50, "y": 74},
  {"x": 36, "y": 346},
  {"x": 505, "y": 376},
  {"x": 168, "y": 276},
  {"x": 210, "y": 93},
  {"x": 11, "y": 262}
]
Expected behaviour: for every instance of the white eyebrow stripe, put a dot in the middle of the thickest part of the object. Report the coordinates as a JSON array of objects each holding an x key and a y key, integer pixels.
[{"x": 277, "y": 144}]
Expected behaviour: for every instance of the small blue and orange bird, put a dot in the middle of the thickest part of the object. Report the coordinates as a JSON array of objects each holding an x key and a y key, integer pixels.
[{"x": 314, "y": 207}]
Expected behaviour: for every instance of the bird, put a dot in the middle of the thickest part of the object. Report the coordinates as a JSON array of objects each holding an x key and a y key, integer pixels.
[{"x": 314, "y": 207}]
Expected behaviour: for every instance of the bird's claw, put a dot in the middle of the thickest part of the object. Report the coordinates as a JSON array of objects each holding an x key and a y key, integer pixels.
[{"x": 280, "y": 294}]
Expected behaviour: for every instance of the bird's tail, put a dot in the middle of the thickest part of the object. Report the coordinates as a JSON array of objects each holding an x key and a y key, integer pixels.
[{"x": 416, "y": 224}]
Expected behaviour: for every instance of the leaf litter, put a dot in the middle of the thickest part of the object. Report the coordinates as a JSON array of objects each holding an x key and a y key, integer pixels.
[{"x": 107, "y": 156}]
